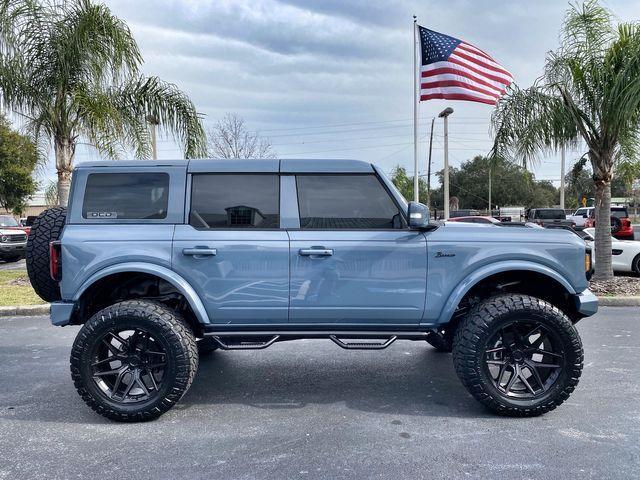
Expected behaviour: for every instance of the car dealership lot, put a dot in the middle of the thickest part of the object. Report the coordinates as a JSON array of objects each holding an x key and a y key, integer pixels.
[{"x": 307, "y": 409}]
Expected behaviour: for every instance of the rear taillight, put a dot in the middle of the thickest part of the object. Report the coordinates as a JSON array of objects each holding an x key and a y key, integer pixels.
[{"x": 55, "y": 260}]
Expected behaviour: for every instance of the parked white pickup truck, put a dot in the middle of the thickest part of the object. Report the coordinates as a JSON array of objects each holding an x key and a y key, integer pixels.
[{"x": 580, "y": 216}]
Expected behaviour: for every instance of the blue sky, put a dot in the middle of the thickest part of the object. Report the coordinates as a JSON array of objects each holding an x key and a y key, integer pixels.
[{"x": 333, "y": 78}]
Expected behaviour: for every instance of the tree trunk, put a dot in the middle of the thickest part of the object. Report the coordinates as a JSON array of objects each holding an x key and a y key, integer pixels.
[
  {"x": 65, "y": 149},
  {"x": 603, "y": 267}
]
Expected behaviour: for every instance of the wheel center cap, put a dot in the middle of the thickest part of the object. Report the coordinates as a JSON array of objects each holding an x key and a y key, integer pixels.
[
  {"x": 518, "y": 356},
  {"x": 134, "y": 360}
]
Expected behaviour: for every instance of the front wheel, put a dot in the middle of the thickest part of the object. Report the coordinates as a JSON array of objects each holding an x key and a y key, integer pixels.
[
  {"x": 635, "y": 265},
  {"x": 134, "y": 360},
  {"x": 518, "y": 355}
]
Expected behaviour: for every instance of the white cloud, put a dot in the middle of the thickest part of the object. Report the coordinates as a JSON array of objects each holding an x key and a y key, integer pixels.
[{"x": 308, "y": 63}]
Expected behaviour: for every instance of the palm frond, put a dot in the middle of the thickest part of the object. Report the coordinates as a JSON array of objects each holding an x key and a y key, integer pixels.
[
  {"x": 587, "y": 30},
  {"x": 529, "y": 123},
  {"x": 175, "y": 112}
]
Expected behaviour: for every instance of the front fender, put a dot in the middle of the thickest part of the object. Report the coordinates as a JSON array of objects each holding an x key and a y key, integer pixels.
[
  {"x": 166, "y": 274},
  {"x": 486, "y": 271}
]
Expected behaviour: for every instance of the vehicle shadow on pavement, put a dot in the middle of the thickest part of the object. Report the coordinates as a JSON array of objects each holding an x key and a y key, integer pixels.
[
  {"x": 409, "y": 378},
  {"x": 404, "y": 381}
]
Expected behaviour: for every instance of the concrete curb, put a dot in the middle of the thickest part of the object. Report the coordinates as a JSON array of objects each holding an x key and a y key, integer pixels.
[
  {"x": 619, "y": 301},
  {"x": 24, "y": 310}
]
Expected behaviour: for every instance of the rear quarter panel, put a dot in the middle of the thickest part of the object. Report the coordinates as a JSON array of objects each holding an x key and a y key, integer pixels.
[
  {"x": 87, "y": 249},
  {"x": 90, "y": 245}
]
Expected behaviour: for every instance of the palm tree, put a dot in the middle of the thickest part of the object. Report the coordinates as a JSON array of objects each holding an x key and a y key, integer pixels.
[
  {"x": 590, "y": 90},
  {"x": 71, "y": 70}
]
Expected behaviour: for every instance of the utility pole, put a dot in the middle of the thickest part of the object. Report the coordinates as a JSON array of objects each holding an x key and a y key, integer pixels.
[
  {"x": 490, "y": 208},
  {"x": 153, "y": 121},
  {"x": 445, "y": 114},
  {"x": 429, "y": 165},
  {"x": 562, "y": 178}
]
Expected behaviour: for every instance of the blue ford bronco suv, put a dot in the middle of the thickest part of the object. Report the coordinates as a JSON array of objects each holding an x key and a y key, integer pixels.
[{"x": 160, "y": 261}]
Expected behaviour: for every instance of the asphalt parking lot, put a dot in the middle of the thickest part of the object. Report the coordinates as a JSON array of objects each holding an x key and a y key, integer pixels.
[
  {"x": 307, "y": 409},
  {"x": 19, "y": 265}
]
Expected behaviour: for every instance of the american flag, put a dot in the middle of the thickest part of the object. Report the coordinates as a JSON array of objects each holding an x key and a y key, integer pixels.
[{"x": 455, "y": 70}]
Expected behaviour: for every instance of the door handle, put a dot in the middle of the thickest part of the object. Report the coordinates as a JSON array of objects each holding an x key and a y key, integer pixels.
[
  {"x": 320, "y": 252},
  {"x": 199, "y": 252}
]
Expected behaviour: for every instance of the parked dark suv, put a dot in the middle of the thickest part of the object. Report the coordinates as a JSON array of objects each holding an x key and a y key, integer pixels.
[{"x": 549, "y": 217}]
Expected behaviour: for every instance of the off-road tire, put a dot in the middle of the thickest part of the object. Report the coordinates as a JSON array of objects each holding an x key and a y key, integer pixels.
[
  {"x": 441, "y": 341},
  {"x": 164, "y": 324},
  {"x": 46, "y": 228},
  {"x": 487, "y": 318}
]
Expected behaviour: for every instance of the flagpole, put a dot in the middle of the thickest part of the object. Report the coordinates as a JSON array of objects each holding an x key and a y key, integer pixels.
[{"x": 416, "y": 184}]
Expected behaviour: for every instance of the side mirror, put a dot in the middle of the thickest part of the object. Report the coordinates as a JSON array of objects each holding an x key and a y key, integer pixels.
[{"x": 418, "y": 216}]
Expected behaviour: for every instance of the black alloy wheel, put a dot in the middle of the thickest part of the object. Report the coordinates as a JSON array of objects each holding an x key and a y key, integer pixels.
[
  {"x": 128, "y": 365},
  {"x": 524, "y": 360}
]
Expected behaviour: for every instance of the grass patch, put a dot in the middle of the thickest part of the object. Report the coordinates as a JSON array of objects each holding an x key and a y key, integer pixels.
[{"x": 15, "y": 289}]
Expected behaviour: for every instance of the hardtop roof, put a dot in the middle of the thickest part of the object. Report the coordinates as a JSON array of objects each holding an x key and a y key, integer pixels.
[{"x": 289, "y": 165}]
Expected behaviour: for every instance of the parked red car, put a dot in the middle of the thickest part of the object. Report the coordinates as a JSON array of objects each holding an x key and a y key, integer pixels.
[
  {"x": 7, "y": 222},
  {"x": 621, "y": 227}
]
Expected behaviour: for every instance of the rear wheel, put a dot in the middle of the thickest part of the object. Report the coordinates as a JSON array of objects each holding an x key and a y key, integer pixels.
[
  {"x": 635, "y": 265},
  {"x": 518, "y": 355},
  {"x": 134, "y": 360}
]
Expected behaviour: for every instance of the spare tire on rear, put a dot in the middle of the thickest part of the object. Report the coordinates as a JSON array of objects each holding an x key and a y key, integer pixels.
[{"x": 46, "y": 228}]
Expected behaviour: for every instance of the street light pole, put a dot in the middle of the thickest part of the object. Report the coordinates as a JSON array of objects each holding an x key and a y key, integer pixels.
[
  {"x": 153, "y": 122},
  {"x": 445, "y": 114},
  {"x": 490, "y": 208},
  {"x": 429, "y": 165}
]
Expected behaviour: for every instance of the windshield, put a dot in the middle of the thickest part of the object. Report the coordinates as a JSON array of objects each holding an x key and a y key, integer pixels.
[
  {"x": 7, "y": 221},
  {"x": 551, "y": 214}
]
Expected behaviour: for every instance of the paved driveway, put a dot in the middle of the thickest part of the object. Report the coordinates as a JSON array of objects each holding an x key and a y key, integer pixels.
[{"x": 307, "y": 409}]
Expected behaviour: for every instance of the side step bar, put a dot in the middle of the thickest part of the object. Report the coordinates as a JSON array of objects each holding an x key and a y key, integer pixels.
[
  {"x": 349, "y": 340},
  {"x": 362, "y": 345},
  {"x": 245, "y": 344}
]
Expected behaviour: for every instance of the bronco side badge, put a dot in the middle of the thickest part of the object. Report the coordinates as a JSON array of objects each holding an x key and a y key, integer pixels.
[{"x": 444, "y": 254}]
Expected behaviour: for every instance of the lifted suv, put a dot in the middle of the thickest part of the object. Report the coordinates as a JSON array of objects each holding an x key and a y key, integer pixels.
[{"x": 156, "y": 259}]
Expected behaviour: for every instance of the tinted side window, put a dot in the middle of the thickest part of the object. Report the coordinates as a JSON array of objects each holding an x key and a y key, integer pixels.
[
  {"x": 235, "y": 201},
  {"x": 126, "y": 196},
  {"x": 345, "y": 202}
]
